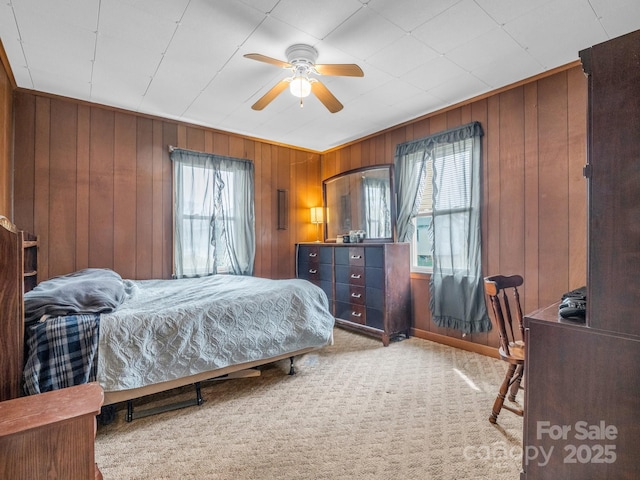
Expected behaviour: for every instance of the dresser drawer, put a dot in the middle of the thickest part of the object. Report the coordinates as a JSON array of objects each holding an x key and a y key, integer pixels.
[
  {"x": 352, "y": 313},
  {"x": 375, "y": 298},
  {"x": 308, "y": 251},
  {"x": 346, "y": 293},
  {"x": 320, "y": 273},
  {"x": 374, "y": 257},
  {"x": 350, "y": 256},
  {"x": 314, "y": 255},
  {"x": 375, "y": 318},
  {"x": 374, "y": 277},
  {"x": 327, "y": 287},
  {"x": 350, "y": 274}
]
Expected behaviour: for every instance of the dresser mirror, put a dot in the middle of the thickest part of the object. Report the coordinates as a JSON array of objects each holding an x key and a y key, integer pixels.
[{"x": 362, "y": 199}]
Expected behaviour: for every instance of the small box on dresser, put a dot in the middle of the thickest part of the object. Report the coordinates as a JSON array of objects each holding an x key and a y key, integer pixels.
[{"x": 367, "y": 284}]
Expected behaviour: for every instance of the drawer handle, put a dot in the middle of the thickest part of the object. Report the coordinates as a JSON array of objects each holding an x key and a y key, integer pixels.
[
  {"x": 356, "y": 314},
  {"x": 313, "y": 254},
  {"x": 356, "y": 257},
  {"x": 353, "y": 275},
  {"x": 313, "y": 271},
  {"x": 356, "y": 295}
]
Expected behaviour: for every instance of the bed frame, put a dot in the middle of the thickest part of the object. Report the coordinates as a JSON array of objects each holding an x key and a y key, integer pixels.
[{"x": 12, "y": 338}]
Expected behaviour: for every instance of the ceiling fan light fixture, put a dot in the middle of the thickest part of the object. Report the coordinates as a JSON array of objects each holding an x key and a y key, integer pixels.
[
  {"x": 300, "y": 87},
  {"x": 301, "y": 61}
]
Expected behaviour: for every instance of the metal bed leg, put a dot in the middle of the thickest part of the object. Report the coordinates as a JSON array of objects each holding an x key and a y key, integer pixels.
[
  {"x": 292, "y": 370},
  {"x": 199, "y": 400},
  {"x": 129, "y": 411}
]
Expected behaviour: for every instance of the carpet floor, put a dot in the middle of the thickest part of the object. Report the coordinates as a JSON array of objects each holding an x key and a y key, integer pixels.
[{"x": 354, "y": 410}]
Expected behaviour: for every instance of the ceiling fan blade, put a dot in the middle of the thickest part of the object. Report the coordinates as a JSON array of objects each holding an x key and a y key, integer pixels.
[
  {"x": 340, "y": 70},
  {"x": 326, "y": 97},
  {"x": 268, "y": 97},
  {"x": 265, "y": 59}
]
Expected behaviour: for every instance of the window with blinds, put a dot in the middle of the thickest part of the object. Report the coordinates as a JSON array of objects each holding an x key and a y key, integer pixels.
[
  {"x": 423, "y": 237},
  {"x": 453, "y": 166}
]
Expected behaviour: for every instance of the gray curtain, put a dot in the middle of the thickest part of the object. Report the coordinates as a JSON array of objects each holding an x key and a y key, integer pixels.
[
  {"x": 457, "y": 293},
  {"x": 214, "y": 229}
]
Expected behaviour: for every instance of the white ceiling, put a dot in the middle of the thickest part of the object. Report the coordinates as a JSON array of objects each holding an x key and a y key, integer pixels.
[{"x": 183, "y": 59}]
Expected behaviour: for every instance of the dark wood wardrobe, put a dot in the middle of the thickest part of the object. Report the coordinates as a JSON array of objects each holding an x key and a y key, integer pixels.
[{"x": 583, "y": 380}]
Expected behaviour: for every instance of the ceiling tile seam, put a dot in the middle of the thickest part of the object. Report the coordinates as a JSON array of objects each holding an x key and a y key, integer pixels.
[
  {"x": 502, "y": 27},
  {"x": 364, "y": 5},
  {"x": 238, "y": 47},
  {"x": 162, "y": 55},
  {"x": 95, "y": 48},
  {"x": 442, "y": 54},
  {"x": 437, "y": 51},
  {"x": 598, "y": 18},
  {"x": 21, "y": 42}
]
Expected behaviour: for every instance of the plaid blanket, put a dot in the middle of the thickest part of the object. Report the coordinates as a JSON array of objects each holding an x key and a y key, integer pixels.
[{"x": 61, "y": 352}]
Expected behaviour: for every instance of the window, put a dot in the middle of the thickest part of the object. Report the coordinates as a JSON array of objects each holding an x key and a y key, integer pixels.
[
  {"x": 213, "y": 213},
  {"x": 453, "y": 200},
  {"x": 422, "y": 242},
  {"x": 438, "y": 180},
  {"x": 201, "y": 238}
]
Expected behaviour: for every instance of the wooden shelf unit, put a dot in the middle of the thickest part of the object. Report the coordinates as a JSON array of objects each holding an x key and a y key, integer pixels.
[{"x": 30, "y": 246}]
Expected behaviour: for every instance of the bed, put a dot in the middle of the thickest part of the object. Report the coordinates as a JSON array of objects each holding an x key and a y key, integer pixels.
[{"x": 138, "y": 337}]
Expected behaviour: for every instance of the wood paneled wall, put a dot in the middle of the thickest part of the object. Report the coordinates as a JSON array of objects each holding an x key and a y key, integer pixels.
[
  {"x": 534, "y": 194},
  {"x": 96, "y": 185},
  {"x": 6, "y": 115}
]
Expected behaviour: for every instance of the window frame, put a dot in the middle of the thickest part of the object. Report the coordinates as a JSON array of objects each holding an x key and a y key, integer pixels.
[
  {"x": 426, "y": 209},
  {"x": 219, "y": 203}
]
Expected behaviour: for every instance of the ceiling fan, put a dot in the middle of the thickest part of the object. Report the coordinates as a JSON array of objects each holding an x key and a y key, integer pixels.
[{"x": 301, "y": 61}]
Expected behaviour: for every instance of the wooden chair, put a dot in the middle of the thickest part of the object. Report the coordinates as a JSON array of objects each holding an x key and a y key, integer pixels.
[{"x": 511, "y": 350}]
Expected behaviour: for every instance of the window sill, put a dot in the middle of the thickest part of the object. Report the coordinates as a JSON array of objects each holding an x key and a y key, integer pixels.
[{"x": 420, "y": 275}]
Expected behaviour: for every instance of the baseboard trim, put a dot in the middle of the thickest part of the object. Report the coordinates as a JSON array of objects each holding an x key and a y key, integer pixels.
[{"x": 456, "y": 342}]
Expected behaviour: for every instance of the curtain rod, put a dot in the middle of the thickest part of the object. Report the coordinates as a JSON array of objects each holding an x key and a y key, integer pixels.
[{"x": 171, "y": 149}]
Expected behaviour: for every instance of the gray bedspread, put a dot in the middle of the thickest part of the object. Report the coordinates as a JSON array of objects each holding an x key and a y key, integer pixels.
[{"x": 169, "y": 329}]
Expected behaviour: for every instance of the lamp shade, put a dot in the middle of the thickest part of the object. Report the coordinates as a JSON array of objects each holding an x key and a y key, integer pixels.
[
  {"x": 300, "y": 87},
  {"x": 316, "y": 215}
]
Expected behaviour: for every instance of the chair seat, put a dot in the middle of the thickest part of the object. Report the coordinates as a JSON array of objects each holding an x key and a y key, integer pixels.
[{"x": 516, "y": 351}]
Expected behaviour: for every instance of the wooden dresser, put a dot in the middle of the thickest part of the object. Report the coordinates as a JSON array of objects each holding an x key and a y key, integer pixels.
[
  {"x": 582, "y": 393},
  {"x": 368, "y": 284}
]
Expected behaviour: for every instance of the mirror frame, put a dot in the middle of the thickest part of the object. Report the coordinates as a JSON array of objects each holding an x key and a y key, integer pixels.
[{"x": 389, "y": 167}]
